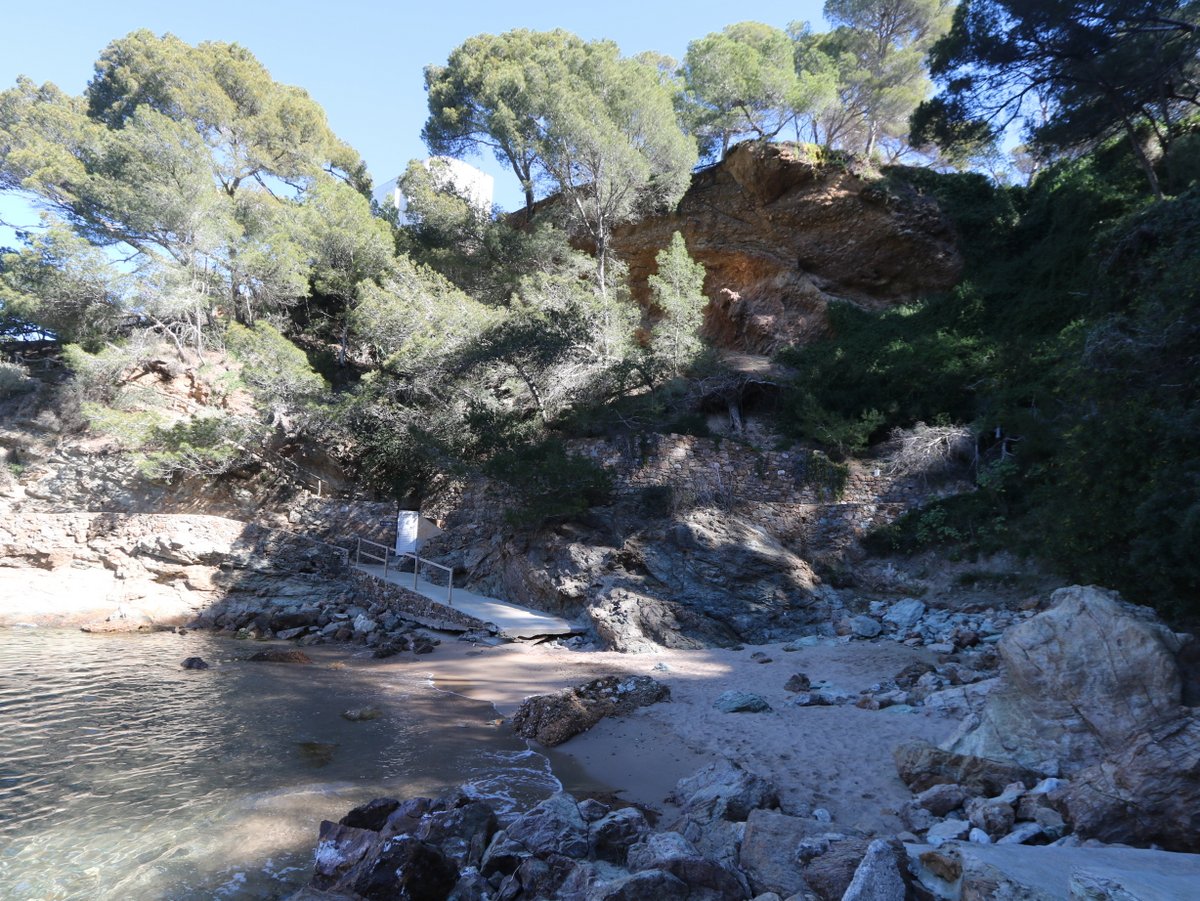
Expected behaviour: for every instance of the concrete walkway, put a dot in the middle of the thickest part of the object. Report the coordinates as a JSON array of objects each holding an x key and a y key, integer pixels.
[{"x": 511, "y": 620}]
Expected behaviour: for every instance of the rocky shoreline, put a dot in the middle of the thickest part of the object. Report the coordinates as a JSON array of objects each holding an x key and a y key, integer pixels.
[
  {"x": 922, "y": 749},
  {"x": 975, "y": 825}
]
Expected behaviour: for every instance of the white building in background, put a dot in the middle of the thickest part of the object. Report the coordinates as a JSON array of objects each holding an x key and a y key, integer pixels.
[{"x": 461, "y": 178}]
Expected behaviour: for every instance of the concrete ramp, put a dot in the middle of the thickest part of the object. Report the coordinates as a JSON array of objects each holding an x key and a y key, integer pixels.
[{"x": 512, "y": 620}]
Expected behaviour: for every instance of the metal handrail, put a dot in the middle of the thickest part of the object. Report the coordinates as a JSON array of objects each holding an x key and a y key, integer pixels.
[{"x": 388, "y": 552}]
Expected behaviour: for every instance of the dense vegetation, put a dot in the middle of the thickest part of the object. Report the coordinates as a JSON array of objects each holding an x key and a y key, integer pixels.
[
  {"x": 1071, "y": 348},
  {"x": 192, "y": 203}
]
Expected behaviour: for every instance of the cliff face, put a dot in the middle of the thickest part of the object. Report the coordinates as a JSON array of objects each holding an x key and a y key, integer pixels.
[{"x": 781, "y": 236}]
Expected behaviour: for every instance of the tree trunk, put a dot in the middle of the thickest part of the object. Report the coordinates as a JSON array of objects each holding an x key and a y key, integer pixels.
[
  {"x": 533, "y": 389},
  {"x": 735, "y": 415},
  {"x": 1143, "y": 160}
]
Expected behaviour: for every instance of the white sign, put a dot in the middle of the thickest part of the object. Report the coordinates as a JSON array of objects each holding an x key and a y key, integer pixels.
[{"x": 408, "y": 527}]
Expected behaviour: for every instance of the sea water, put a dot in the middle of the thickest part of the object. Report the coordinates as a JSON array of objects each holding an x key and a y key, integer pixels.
[{"x": 123, "y": 775}]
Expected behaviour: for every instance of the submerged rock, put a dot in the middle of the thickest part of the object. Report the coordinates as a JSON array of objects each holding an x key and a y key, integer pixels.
[
  {"x": 194, "y": 663},
  {"x": 361, "y": 714},
  {"x": 280, "y": 655}
]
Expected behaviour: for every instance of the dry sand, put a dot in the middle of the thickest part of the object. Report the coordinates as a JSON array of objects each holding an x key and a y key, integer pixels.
[{"x": 837, "y": 757}]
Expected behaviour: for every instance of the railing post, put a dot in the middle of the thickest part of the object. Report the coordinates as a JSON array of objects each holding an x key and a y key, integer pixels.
[
  {"x": 416, "y": 570},
  {"x": 358, "y": 552},
  {"x": 386, "y": 554},
  {"x": 450, "y": 588}
]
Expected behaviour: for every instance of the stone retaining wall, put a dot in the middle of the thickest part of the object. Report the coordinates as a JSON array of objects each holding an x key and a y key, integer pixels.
[
  {"x": 412, "y": 606},
  {"x": 715, "y": 470}
]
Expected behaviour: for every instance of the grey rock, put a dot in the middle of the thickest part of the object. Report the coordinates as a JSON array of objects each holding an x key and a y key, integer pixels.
[
  {"x": 592, "y": 810},
  {"x": 659, "y": 848},
  {"x": 194, "y": 663},
  {"x": 939, "y": 800},
  {"x": 991, "y": 815},
  {"x": 922, "y": 765},
  {"x": 798, "y": 682},
  {"x": 613, "y": 835},
  {"x": 462, "y": 832},
  {"x": 554, "y": 826},
  {"x": 768, "y": 853},
  {"x": 863, "y": 626},
  {"x": 1080, "y": 679},
  {"x": 830, "y": 874},
  {"x": 372, "y": 815},
  {"x": 554, "y": 718},
  {"x": 650, "y": 885},
  {"x": 904, "y": 614},
  {"x": 878, "y": 877},
  {"x": 947, "y": 830},
  {"x": 1022, "y": 833},
  {"x": 979, "y": 837},
  {"x": 1054, "y": 873},
  {"x": 339, "y": 850},
  {"x": 1049, "y": 784},
  {"x": 734, "y": 701},
  {"x": 810, "y": 699},
  {"x": 361, "y": 714},
  {"x": 1147, "y": 792},
  {"x": 723, "y": 791},
  {"x": 406, "y": 867}
]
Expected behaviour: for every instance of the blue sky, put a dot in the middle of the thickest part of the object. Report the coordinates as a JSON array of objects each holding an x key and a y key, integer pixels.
[{"x": 362, "y": 61}]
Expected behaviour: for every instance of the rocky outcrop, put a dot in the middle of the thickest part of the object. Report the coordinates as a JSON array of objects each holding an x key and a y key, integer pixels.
[
  {"x": 113, "y": 572},
  {"x": 977, "y": 872},
  {"x": 1079, "y": 682},
  {"x": 706, "y": 579},
  {"x": 1146, "y": 793},
  {"x": 552, "y": 719},
  {"x": 561, "y": 848},
  {"x": 782, "y": 233},
  {"x": 1091, "y": 689}
]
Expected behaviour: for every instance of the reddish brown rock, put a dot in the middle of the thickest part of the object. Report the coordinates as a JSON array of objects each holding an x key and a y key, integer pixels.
[{"x": 782, "y": 234}]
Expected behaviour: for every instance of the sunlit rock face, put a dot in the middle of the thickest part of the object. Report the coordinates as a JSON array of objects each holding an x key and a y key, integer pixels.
[
  {"x": 113, "y": 572},
  {"x": 783, "y": 234}
]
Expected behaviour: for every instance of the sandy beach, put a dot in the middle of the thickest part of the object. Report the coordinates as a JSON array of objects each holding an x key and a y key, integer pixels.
[{"x": 836, "y": 757}]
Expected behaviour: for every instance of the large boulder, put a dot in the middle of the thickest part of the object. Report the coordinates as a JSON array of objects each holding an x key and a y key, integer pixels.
[
  {"x": 670, "y": 852},
  {"x": 768, "y": 851},
  {"x": 409, "y": 869},
  {"x": 552, "y": 719},
  {"x": 878, "y": 877},
  {"x": 723, "y": 791},
  {"x": 1079, "y": 681},
  {"x": 1149, "y": 792},
  {"x": 922, "y": 766},
  {"x": 555, "y": 826},
  {"x": 983, "y": 872}
]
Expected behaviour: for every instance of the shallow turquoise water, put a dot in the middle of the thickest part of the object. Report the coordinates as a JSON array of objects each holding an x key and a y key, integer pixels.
[{"x": 124, "y": 776}]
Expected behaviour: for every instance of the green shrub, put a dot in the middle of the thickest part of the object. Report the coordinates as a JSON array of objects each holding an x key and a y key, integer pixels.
[
  {"x": 274, "y": 368},
  {"x": 14, "y": 380},
  {"x": 826, "y": 475},
  {"x": 552, "y": 484}
]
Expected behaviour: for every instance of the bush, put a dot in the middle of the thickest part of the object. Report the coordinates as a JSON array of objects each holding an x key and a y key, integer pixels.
[
  {"x": 14, "y": 380},
  {"x": 274, "y": 368},
  {"x": 552, "y": 484},
  {"x": 826, "y": 475}
]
